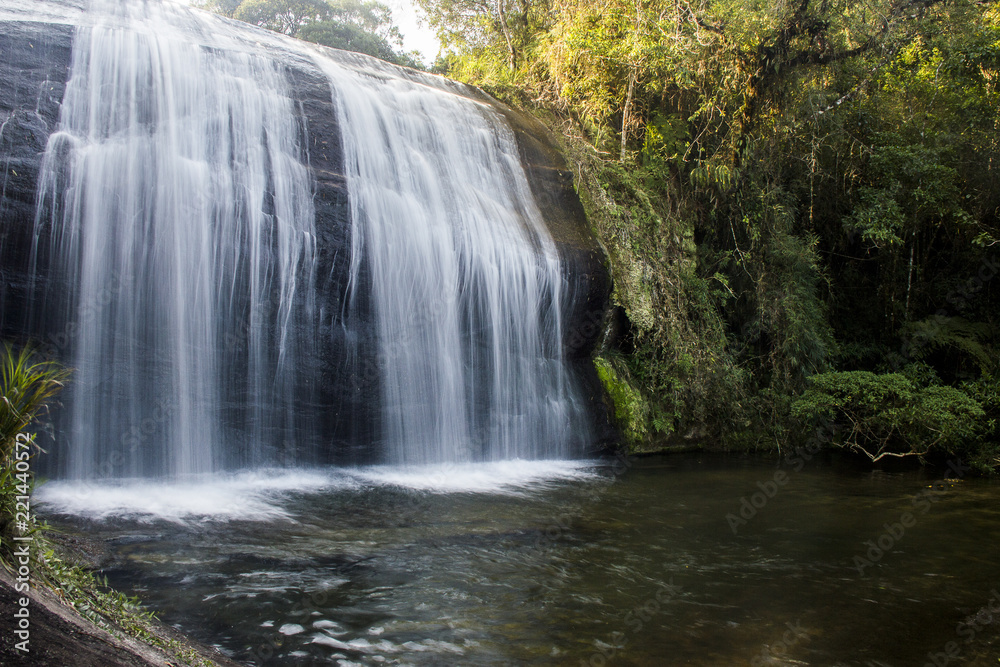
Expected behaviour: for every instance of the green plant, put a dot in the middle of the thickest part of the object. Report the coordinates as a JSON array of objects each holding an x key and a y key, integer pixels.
[
  {"x": 631, "y": 411},
  {"x": 890, "y": 414},
  {"x": 985, "y": 455},
  {"x": 26, "y": 384},
  {"x": 782, "y": 191},
  {"x": 94, "y": 599}
]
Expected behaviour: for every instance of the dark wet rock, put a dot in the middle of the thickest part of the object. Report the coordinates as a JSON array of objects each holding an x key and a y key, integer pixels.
[{"x": 336, "y": 408}]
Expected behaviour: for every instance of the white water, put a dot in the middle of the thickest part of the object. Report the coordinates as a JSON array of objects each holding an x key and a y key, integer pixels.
[
  {"x": 176, "y": 201},
  {"x": 180, "y": 210},
  {"x": 466, "y": 281},
  {"x": 264, "y": 494}
]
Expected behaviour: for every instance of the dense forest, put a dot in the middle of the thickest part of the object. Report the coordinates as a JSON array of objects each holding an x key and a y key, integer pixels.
[{"x": 799, "y": 202}]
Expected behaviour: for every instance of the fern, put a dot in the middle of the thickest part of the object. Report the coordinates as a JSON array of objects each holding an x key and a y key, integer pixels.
[{"x": 954, "y": 333}]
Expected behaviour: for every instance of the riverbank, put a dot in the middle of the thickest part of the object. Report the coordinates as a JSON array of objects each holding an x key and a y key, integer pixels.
[{"x": 60, "y": 635}]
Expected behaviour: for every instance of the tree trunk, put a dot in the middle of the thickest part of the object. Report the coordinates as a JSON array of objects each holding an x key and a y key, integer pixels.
[
  {"x": 505, "y": 28},
  {"x": 909, "y": 278},
  {"x": 633, "y": 73},
  {"x": 625, "y": 112}
]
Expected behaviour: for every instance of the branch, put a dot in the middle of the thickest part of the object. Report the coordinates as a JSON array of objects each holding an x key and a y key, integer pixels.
[
  {"x": 806, "y": 57},
  {"x": 896, "y": 455}
]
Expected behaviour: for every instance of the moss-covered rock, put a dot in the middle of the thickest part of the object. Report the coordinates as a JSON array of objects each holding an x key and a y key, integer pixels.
[{"x": 630, "y": 408}]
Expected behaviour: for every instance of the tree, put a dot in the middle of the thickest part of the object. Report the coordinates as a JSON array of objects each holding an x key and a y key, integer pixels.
[
  {"x": 285, "y": 16},
  {"x": 891, "y": 415},
  {"x": 363, "y": 26},
  {"x": 785, "y": 190},
  {"x": 493, "y": 26},
  {"x": 224, "y": 7}
]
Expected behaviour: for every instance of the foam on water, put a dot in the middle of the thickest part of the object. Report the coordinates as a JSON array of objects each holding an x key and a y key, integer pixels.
[
  {"x": 499, "y": 477},
  {"x": 263, "y": 495},
  {"x": 248, "y": 496}
]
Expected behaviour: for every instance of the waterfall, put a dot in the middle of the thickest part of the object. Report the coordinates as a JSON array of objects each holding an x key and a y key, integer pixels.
[
  {"x": 177, "y": 207},
  {"x": 466, "y": 281}
]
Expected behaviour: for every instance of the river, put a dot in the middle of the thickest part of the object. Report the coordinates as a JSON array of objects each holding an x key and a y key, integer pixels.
[{"x": 641, "y": 561}]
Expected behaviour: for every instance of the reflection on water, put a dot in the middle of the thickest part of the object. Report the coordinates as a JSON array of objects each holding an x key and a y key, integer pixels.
[{"x": 582, "y": 564}]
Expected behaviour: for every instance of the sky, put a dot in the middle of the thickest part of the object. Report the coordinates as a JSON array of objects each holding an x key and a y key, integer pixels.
[{"x": 415, "y": 37}]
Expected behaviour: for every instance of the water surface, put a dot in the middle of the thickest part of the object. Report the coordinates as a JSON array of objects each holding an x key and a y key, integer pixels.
[{"x": 622, "y": 562}]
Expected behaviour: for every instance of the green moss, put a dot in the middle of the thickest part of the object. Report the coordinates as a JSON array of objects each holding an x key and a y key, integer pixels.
[
  {"x": 631, "y": 410},
  {"x": 678, "y": 359}
]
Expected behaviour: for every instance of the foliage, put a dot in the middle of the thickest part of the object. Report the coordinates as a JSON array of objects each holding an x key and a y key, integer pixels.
[
  {"x": 25, "y": 386},
  {"x": 784, "y": 190},
  {"x": 363, "y": 26},
  {"x": 119, "y": 614},
  {"x": 678, "y": 357},
  {"x": 285, "y": 16},
  {"x": 630, "y": 408},
  {"x": 891, "y": 415},
  {"x": 962, "y": 340},
  {"x": 985, "y": 453},
  {"x": 500, "y": 30}
]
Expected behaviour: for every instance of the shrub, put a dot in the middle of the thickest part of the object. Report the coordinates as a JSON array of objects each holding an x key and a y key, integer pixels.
[{"x": 891, "y": 414}]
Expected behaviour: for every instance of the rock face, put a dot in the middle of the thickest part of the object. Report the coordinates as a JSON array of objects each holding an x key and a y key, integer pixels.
[
  {"x": 331, "y": 410},
  {"x": 587, "y": 272},
  {"x": 34, "y": 65}
]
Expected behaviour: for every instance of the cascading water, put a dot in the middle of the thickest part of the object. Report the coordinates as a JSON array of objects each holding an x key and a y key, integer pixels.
[
  {"x": 177, "y": 204},
  {"x": 465, "y": 279}
]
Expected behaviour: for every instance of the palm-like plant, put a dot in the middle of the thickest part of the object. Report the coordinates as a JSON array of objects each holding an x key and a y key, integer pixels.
[{"x": 26, "y": 384}]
